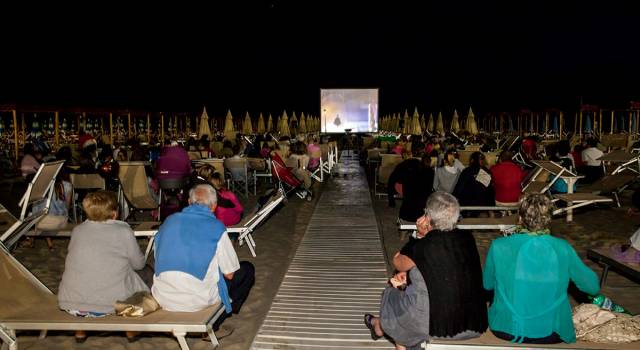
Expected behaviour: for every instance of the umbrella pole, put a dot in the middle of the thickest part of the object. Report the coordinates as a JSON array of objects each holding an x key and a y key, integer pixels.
[
  {"x": 580, "y": 123},
  {"x": 161, "y": 129},
  {"x": 148, "y": 128},
  {"x": 15, "y": 131},
  {"x": 111, "y": 128},
  {"x": 56, "y": 140}
]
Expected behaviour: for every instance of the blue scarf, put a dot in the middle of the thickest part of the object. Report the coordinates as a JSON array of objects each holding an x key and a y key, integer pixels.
[{"x": 187, "y": 241}]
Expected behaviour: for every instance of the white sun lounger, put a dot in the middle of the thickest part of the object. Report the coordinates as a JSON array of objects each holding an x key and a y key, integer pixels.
[
  {"x": 504, "y": 224},
  {"x": 246, "y": 227},
  {"x": 38, "y": 191},
  {"x": 27, "y": 304}
]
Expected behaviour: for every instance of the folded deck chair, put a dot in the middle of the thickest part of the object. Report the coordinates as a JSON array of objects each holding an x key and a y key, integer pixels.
[
  {"x": 246, "y": 227},
  {"x": 6, "y": 219},
  {"x": 260, "y": 168},
  {"x": 134, "y": 187},
  {"x": 29, "y": 305},
  {"x": 317, "y": 173},
  {"x": 325, "y": 158},
  {"x": 238, "y": 174},
  {"x": 38, "y": 192}
]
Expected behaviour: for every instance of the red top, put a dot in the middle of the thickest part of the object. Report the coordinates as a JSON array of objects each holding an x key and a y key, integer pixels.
[
  {"x": 174, "y": 163},
  {"x": 506, "y": 181}
]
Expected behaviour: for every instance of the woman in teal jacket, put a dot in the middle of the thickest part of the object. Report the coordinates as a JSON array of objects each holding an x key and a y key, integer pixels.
[{"x": 530, "y": 273}]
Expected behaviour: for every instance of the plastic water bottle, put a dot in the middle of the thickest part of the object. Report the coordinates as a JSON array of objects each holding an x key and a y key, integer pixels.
[{"x": 606, "y": 303}]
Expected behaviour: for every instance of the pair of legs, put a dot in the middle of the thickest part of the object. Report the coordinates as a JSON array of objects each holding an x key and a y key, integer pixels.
[
  {"x": 239, "y": 288},
  {"x": 377, "y": 328}
]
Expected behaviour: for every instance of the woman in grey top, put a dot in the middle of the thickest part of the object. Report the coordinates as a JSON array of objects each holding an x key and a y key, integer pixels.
[
  {"x": 446, "y": 175},
  {"x": 101, "y": 262}
]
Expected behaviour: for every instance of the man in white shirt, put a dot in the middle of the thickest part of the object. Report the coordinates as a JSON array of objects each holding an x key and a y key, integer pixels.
[
  {"x": 593, "y": 169},
  {"x": 195, "y": 263}
]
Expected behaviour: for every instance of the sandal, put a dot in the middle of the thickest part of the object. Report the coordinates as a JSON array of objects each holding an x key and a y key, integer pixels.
[{"x": 367, "y": 322}]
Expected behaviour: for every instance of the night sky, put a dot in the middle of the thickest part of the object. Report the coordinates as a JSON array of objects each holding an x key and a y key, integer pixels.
[{"x": 268, "y": 56}]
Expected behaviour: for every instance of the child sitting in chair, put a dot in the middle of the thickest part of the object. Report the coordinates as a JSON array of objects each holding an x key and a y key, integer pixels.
[{"x": 101, "y": 264}]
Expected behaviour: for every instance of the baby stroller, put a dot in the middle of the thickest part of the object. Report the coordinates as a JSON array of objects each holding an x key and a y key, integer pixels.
[{"x": 285, "y": 180}]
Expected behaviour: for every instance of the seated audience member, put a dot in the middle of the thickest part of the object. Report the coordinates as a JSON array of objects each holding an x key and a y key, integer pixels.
[
  {"x": 101, "y": 264},
  {"x": 404, "y": 311},
  {"x": 227, "y": 149},
  {"x": 298, "y": 161},
  {"x": 195, "y": 263},
  {"x": 174, "y": 163},
  {"x": 30, "y": 161},
  {"x": 416, "y": 178},
  {"x": 229, "y": 209},
  {"x": 593, "y": 167},
  {"x": 314, "y": 152},
  {"x": 507, "y": 177},
  {"x": 447, "y": 174},
  {"x": 530, "y": 272},
  {"x": 449, "y": 262},
  {"x": 472, "y": 188},
  {"x": 530, "y": 148}
]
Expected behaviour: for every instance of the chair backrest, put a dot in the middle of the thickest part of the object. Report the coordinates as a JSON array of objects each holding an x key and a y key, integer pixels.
[
  {"x": 387, "y": 164},
  {"x": 43, "y": 180},
  {"x": 324, "y": 151},
  {"x": 237, "y": 167},
  {"x": 87, "y": 181},
  {"x": 173, "y": 184},
  {"x": 367, "y": 141},
  {"x": 134, "y": 184},
  {"x": 373, "y": 154},
  {"x": 464, "y": 156}
]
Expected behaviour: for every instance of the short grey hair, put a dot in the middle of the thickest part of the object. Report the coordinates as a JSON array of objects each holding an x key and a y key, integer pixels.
[
  {"x": 203, "y": 194},
  {"x": 443, "y": 210}
]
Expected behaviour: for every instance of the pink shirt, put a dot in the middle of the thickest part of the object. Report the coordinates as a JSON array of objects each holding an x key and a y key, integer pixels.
[{"x": 229, "y": 216}]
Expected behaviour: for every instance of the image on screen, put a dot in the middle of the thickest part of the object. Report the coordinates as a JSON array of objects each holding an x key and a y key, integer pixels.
[{"x": 355, "y": 109}]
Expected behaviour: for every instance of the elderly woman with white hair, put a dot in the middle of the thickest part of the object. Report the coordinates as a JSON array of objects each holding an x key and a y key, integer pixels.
[
  {"x": 449, "y": 262},
  {"x": 530, "y": 273}
]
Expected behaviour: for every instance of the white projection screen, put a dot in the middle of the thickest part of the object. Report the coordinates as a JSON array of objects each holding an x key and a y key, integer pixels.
[{"x": 355, "y": 109}]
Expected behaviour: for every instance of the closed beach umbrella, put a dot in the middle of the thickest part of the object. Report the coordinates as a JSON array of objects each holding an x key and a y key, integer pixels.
[
  {"x": 440, "y": 124},
  {"x": 229, "y": 131},
  {"x": 204, "y": 124},
  {"x": 455, "y": 122},
  {"x": 472, "y": 126},
  {"x": 284, "y": 125},
  {"x": 430, "y": 123},
  {"x": 247, "y": 128},
  {"x": 261, "y": 128}
]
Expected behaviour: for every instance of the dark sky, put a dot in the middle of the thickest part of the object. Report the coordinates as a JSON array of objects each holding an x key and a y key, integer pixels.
[{"x": 267, "y": 56}]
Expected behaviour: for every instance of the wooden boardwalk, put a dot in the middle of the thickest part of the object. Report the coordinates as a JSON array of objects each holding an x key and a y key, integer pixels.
[{"x": 336, "y": 276}]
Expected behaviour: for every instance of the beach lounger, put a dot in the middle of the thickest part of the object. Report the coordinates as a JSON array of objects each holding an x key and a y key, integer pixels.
[
  {"x": 627, "y": 161},
  {"x": 505, "y": 224},
  {"x": 134, "y": 188},
  {"x": 488, "y": 341},
  {"x": 38, "y": 191},
  {"x": 216, "y": 163},
  {"x": 30, "y": 305},
  {"x": 246, "y": 227},
  {"x": 610, "y": 184},
  {"x": 605, "y": 258},
  {"x": 146, "y": 229},
  {"x": 260, "y": 168}
]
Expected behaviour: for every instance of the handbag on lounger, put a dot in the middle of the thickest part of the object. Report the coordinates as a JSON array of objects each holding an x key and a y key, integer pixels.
[{"x": 137, "y": 305}]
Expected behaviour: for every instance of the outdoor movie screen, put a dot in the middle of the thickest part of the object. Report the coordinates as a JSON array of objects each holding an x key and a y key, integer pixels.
[{"x": 355, "y": 109}]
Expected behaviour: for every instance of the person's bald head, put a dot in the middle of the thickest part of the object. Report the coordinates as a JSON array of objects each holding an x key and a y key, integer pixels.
[{"x": 204, "y": 195}]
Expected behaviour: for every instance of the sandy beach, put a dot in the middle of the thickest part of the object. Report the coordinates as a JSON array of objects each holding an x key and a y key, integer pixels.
[{"x": 277, "y": 240}]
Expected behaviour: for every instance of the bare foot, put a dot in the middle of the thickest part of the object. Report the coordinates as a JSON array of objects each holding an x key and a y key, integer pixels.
[{"x": 377, "y": 327}]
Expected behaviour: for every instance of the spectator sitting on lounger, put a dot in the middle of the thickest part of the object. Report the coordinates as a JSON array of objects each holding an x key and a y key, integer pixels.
[
  {"x": 593, "y": 167},
  {"x": 101, "y": 264},
  {"x": 507, "y": 176},
  {"x": 530, "y": 272},
  {"x": 196, "y": 265},
  {"x": 449, "y": 262},
  {"x": 474, "y": 186},
  {"x": 447, "y": 174},
  {"x": 415, "y": 176},
  {"x": 174, "y": 162}
]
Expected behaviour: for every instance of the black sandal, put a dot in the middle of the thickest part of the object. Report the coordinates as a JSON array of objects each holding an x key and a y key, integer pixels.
[{"x": 367, "y": 322}]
